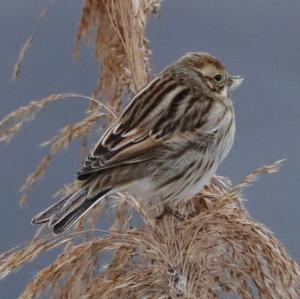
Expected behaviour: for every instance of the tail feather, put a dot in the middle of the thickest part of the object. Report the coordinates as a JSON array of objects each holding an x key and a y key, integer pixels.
[
  {"x": 65, "y": 222},
  {"x": 45, "y": 215},
  {"x": 66, "y": 212},
  {"x": 73, "y": 202}
]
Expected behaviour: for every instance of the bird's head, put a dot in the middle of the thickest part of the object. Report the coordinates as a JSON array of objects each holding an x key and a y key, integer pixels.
[{"x": 211, "y": 72}]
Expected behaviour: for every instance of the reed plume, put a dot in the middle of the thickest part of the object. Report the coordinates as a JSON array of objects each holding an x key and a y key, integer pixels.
[{"x": 215, "y": 247}]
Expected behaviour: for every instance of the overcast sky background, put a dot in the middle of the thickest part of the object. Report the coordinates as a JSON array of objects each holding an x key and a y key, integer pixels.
[{"x": 258, "y": 39}]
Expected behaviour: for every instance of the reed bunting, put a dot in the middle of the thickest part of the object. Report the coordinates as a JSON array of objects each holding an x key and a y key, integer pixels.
[{"x": 166, "y": 145}]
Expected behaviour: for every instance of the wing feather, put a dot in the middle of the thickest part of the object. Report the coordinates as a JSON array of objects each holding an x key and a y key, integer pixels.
[
  {"x": 158, "y": 115},
  {"x": 129, "y": 139}
]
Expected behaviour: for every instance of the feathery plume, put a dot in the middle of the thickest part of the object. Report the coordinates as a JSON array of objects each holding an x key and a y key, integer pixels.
[{"x": 215, "y": 246}]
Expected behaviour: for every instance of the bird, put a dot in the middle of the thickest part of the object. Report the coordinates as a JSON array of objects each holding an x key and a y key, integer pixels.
[{"x": 166, "y": 144}]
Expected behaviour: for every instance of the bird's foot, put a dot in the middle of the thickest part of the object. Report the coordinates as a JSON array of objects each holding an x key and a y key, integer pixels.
[{"x": 167, "y": 210}]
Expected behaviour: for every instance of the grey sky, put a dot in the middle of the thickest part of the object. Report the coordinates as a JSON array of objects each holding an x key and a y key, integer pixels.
[{"x": 258, "y": 39}]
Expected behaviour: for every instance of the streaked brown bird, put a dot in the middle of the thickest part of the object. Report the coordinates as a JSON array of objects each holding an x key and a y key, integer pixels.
[{"x": 166, "y": 145}]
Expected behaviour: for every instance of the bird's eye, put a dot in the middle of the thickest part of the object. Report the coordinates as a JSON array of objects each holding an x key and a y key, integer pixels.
[{"x": 218, "y": 77}]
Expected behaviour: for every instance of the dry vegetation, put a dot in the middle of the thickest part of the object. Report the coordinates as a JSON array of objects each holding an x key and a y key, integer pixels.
[{"x": 216, "y": 247}]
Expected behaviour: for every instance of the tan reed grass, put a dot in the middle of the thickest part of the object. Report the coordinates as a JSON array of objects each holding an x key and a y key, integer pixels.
[
  {"x": 17, "y": 68},
  {"x": 15, "y": 121},
  {"x": 217, "y": 246},
  {"x": 28, "y": 43},
  {"x": 214, "y": 246},
  {"x": 121, "y": 45}
]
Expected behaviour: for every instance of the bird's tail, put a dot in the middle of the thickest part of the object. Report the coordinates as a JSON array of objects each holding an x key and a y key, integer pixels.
[{"x": 67, "y": 211}]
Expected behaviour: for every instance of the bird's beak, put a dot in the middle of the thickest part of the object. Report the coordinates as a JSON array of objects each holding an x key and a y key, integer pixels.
[{"x": 234, "y": 82}]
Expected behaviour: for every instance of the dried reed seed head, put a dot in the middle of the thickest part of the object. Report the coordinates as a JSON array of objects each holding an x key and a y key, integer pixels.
[
  {"x": 218, "y": 246},
  {"x": 28, "y": 43},
  {"x": 15, "y": 121},
  {"x": 120, "y": 44},
  {"x": 17, "y": 68}
]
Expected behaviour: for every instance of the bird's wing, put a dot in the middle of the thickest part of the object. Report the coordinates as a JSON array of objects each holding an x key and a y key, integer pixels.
[
  {"x": 123, "y": 150},
  {"x": 159, "y": 114}
]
